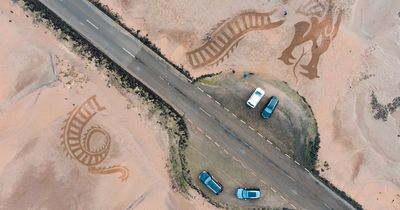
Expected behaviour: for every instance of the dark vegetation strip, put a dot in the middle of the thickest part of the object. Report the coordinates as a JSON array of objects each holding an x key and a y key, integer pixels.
[{"x": 91, "y": 53}]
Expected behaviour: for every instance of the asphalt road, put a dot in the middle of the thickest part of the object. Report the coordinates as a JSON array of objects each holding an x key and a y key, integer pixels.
[{"x": 295, "y": 184}]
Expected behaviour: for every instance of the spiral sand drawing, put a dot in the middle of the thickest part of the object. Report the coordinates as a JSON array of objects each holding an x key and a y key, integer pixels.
[{"x": 90, "y": 146}]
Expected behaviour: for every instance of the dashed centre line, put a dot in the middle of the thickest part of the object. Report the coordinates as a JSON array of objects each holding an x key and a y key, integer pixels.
[
  {"x": 199, "y": 129},
  {"x": 293, "y": 206},
  {"x": 208, "y": 137},
  {"x": 288, "y": 156},
  {"x": 260, "y": 135},
  {"x": 205, "y": 112},
  {"x": 227, "y": 109},
  {"x": 234, "y": 115},
  {"x": 200, "y": 89},
  {"x": 134, "y": 56},
  {"x": 243, "y": 122},
  {"x": 283, "y": 197},
  {"x": 92, "y": 24},
  {"x": 273, "y": 190},
  {"x": 208, "y": 95},
  {"x": 251, "y": 128},
  {"x": 217, "y": 102},
  {"x": 216, "y": 144},
  {"x": 269, "y": 141},
  {"x": 297, "y": 162}
]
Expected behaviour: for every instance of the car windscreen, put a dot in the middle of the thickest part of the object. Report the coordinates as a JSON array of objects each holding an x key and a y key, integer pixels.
[{"x": 258, "y": 93}]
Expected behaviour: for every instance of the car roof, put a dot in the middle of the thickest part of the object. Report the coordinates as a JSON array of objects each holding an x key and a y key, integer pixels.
[{"x": 214, "y": 185}]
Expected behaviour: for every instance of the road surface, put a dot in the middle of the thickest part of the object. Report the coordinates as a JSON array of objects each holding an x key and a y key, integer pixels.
[{"x": 295, "y": 184}]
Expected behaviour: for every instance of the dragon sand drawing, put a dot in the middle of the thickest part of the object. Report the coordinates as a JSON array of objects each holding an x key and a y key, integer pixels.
[
  {"x": 221, "y": 42},
  {"x": 319, "y": 32},
  {"x": 89, "y": 146}
]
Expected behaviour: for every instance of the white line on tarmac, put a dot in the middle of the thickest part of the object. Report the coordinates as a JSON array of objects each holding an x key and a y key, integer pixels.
[
  {"x": 128, "y": 52},
  {"x": 234, "y": 115},
  {"x": 307, "y": 170},
  {"x": 216, "y": 144},
  {"x": 208, "y": 137},
  {"x": 273, "y": 190},
  {"x": 293, "y": 206},
  {"x": 243, "y": 122},
  {"x": 283, "y": 198},
  {"x": 226, "y": 109},
  {"x": 277, "y": 149},
  {"x": 253, "y": 173},
  {"x": 208, "y": 95},
  {"x": 288, "y": 156},
  {"x": 205, "y": 112},
  {"x": 327, "y": 206},
  {"x": 190, "y": 121},
  {"x": 226, "y": 152},
  {"x": 297, "y": 162},
  {"x": 200, "y": 89},
  {"x": 269, "y": 141},
  {"x": 92, "y": 24},
  {"x": 201, "y": 131},
  {"x": 262, "y": 181},
  {"x": 251, "y": 128},
  {"x": 291, "y": 178},
  {"x": 217, "y": 103},
  {"x": 159, "y": 76},
  {"x": 260, "y": 135}
]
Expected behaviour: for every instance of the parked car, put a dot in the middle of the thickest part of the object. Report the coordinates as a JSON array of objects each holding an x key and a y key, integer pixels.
[
  {"x": 248, "y": 193},
  {"x": 270, "y": 107},
  {"x": 210, "y": 182},
  {"x": 255, "y": 97}
]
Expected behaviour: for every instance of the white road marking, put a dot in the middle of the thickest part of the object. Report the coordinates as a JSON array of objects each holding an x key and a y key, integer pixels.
[
  {"x": 217, "y": 102},
  {"x": 205, "y": 112},
  {"x": 226, "y": 152},
  {"x": 253, "y": 173},
  {"x": 226, "y": 109},
  {"x": 201, "y": 131},
  {"x": 291, "y": 178},
  {"x": 208, "y": 95},
  {"x": 200, "y": 89},
  {"x": 162, "y": 78},
  {"x": 234, "y": 115},
  {"x": 216, "y": 144},
  {"x": 277, "y": 149},
  {"x": 273, "y": 190},
  {"x": 269, "y": 141},
  {"x": 307, "y": 170},
  {"x": 190, "y": 121},
  {"x": 128, "y": 52},
  {"x": 260, "y": 135},
  {"x": 208, "y": 137},
  {"x": 293, "y": 206},
  {"x": 251, "y": 128},
  {"x": 243, "y": 122},
  {"x": 262, "y": 181},
  {"x": 92, "y": 24},
  {"x": 327, "y": 206},
  {"x": 288, "y": 156},
  {"x": 297, "y": 162},
  {"x": 283, "y": 197}
]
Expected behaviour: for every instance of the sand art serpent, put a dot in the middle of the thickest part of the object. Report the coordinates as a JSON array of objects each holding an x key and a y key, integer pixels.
[
  {"x": 227, "y": 36},
  {"x": 79, "y": 142},
  {"x": 320, "y": 30}
]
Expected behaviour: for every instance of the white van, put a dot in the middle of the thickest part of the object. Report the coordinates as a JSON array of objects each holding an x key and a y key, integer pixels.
[{"x": 255, "y": 98}]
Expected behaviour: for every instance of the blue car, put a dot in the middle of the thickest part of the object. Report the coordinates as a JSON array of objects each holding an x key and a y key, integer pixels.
[
  {"x": 246, "y": 194},
  {"x": 270, "y": 107},
  {"x": 210, "y": 182}
]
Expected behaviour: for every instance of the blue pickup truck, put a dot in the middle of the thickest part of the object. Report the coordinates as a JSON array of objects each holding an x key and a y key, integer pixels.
[{"x": 210, "y": 182}]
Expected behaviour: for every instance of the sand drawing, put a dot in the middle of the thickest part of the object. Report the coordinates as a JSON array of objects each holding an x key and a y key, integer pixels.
[
  {"x": 320, "y": 30},
  {"x": 225, "y": 37},
  {"x": 89, "y": 146}
]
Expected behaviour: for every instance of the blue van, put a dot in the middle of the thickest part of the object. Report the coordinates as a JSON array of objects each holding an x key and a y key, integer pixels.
[
  {"x": 210, "y": 182},
  {"x": 270, "y": 107}
]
